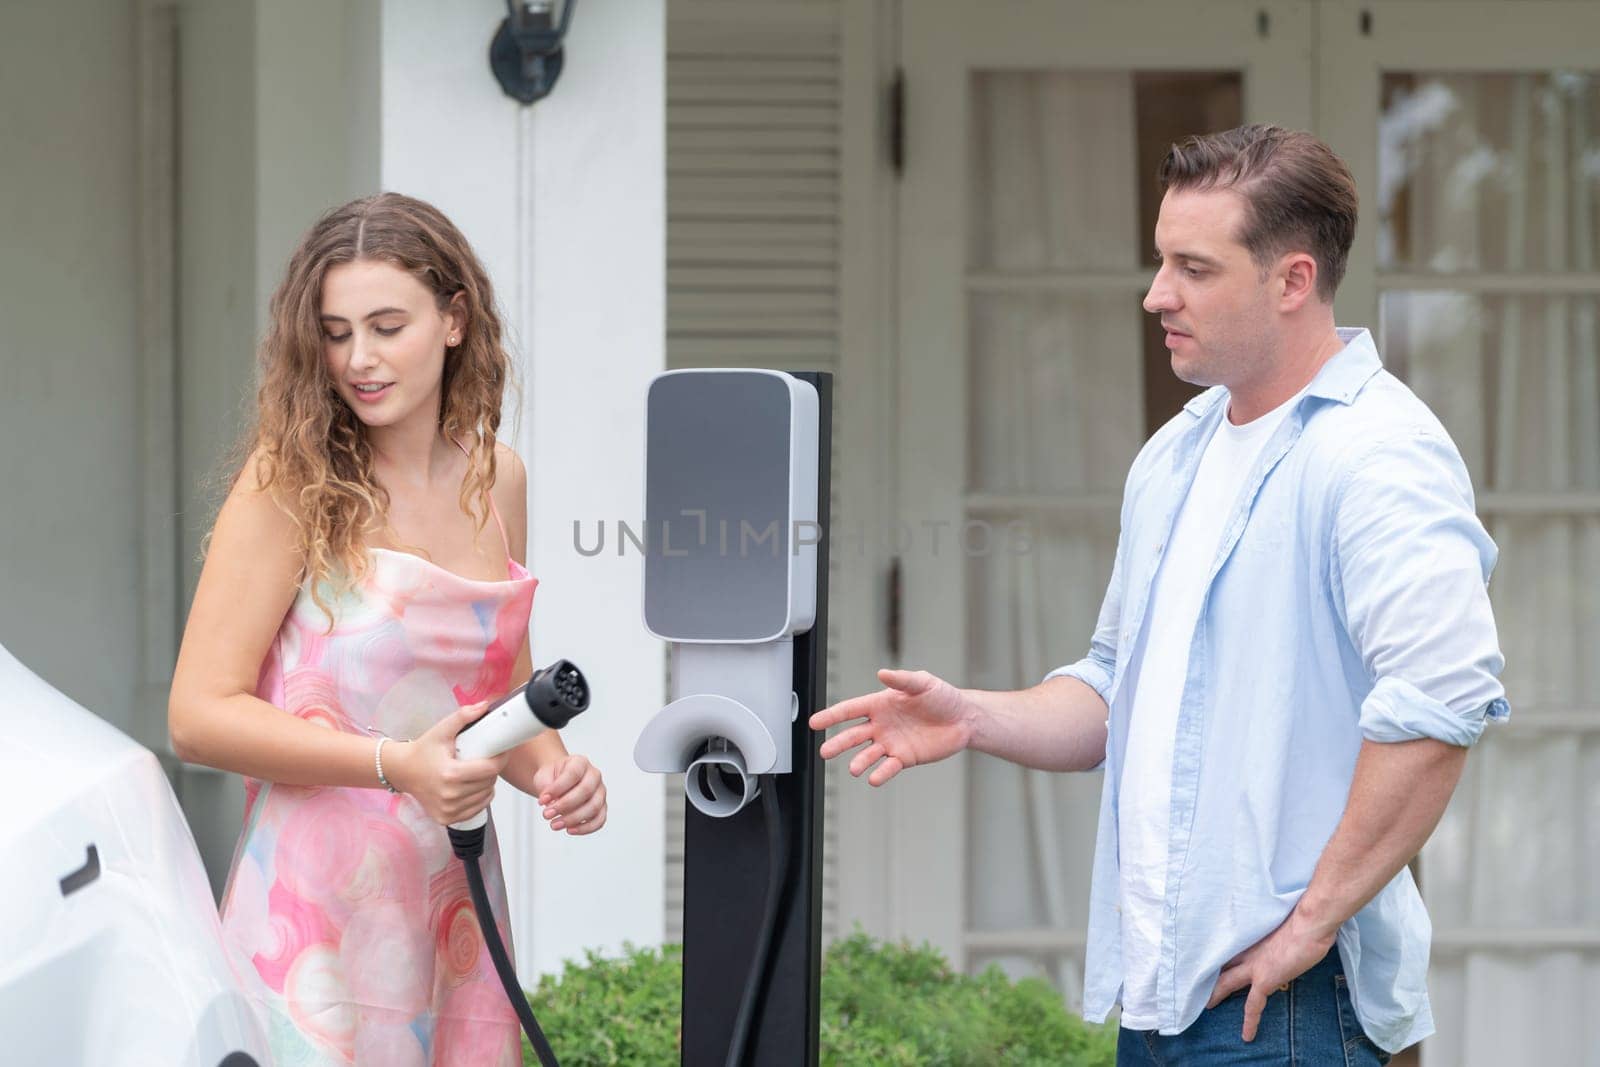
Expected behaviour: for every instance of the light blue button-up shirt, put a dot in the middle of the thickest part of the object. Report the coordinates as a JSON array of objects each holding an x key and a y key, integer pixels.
[{"x": 1347, "y": 601}]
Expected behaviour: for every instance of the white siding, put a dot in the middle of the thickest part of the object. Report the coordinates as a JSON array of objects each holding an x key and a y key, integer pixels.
[{"x": 69, "y": 416}]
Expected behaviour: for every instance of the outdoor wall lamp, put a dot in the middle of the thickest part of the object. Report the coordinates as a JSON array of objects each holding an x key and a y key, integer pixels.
[{"x": 526, "y": 53}]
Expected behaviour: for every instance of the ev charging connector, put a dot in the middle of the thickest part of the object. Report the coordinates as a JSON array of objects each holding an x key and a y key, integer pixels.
[{"x": 549, "y": 700}]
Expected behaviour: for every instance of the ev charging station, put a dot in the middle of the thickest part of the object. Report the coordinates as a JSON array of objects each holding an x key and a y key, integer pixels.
[{"x": 735, "y": 579}]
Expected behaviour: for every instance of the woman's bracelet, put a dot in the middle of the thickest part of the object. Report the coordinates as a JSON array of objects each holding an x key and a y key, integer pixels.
[{"x": 377, "y": 759}]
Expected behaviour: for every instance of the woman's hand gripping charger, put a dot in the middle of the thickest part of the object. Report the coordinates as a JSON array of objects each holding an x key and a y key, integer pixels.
[{"x": 549, "y": 700}]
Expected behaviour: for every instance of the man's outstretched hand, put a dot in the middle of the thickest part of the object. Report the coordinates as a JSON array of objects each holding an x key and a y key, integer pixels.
[{"x": 917, "y": 718}]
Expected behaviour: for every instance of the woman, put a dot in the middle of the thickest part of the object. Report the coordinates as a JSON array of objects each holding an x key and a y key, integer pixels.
[{"x": 361, "y": 601}]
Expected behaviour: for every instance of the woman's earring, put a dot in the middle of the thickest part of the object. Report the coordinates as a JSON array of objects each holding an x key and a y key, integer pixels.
[{"x": 452, "y": 339}]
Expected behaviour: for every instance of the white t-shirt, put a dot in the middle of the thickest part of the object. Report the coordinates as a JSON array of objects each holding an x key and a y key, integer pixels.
[{"x": 1156, "y": 673}]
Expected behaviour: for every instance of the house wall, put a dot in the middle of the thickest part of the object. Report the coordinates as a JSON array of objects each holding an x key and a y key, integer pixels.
[
  {"x": 69, "y": 409},
  {"x": 277, "y": 121},
  {"x": 563, "y": 202}
]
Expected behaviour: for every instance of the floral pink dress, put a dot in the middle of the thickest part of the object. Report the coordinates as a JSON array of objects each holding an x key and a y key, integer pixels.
[{"x": 349, "y": 902}]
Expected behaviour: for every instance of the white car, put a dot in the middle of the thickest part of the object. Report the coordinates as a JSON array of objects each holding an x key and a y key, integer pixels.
[{"x": 110, "y": 947}]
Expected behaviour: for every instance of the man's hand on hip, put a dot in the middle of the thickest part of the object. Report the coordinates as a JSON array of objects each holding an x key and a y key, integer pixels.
[{"x": 1269, "y": 966}]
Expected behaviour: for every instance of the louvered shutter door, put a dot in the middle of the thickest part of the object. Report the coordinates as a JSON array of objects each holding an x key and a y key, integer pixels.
[{"x": 753, "y": 239}]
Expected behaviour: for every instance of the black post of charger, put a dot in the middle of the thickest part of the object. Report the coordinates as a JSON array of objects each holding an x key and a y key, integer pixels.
[{"x": 725, "y": 867}]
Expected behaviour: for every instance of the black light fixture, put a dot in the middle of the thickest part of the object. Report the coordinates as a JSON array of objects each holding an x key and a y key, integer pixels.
[{"x": 526, "y": 54}]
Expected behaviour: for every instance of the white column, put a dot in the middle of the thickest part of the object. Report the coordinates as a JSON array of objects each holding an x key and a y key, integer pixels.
[{"x": 564, "y": 202}]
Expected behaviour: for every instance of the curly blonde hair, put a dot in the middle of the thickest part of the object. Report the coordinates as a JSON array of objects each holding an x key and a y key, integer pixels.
[{"x": 311, "y": 451}]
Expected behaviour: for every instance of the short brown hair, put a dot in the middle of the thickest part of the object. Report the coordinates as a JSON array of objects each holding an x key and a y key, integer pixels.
[{"x": 1298, "y": 194}]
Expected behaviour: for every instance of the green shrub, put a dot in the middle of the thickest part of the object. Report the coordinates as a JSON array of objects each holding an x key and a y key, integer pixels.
[
  {"x": 622, "y": 1011},
  {"x": 882, "y": 1004}
]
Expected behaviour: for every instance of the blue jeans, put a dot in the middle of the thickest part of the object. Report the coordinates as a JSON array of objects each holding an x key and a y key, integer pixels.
[{"x": 1311, "y": 1024}]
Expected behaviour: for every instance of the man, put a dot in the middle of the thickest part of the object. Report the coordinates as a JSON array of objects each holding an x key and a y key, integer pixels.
[{"x": 1294, "y": 653}]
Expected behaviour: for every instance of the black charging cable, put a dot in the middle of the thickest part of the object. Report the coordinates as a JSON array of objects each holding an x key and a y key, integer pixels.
[
  {"x": 761, "y": 964},
  {"x": 468, "y": 845},
  {"x": 553, "y": 696}
]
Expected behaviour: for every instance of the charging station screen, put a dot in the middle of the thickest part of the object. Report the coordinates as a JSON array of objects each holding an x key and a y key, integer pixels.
[{"x": 717, "y": 519}]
